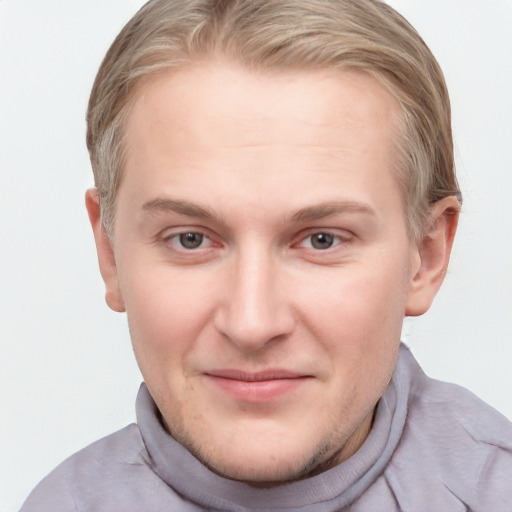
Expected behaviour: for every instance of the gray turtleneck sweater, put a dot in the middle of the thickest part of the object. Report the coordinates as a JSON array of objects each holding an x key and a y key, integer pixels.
[{"x": 433, "y": 447}]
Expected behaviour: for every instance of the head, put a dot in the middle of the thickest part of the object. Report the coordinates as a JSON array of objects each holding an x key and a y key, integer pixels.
[{"x": 274, "y": 192}]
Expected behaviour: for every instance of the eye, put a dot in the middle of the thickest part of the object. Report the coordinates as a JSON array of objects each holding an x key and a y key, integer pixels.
[
  {"x": 190, "y": 240},
  {"x": 321, "y": 241},
  {"x": 187, "y": 241}
]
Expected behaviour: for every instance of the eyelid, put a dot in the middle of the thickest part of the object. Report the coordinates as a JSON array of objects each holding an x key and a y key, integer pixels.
[
  {"x": 166, "y": 236},
  {"x": 340, "y": 235},
  {"x": 177, "y": 237}
]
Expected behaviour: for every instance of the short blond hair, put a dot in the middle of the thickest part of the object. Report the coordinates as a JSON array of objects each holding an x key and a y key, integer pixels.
[{"x": 364, "y": 35}]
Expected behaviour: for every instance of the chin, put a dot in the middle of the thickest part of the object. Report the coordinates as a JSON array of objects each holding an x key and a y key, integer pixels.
[
  {"x": 259, "y": 473},
  {"x": 262, "y": 466}
]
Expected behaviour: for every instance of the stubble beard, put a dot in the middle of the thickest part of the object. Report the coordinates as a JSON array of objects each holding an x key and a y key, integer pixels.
[{"x": 324, "y": 456}]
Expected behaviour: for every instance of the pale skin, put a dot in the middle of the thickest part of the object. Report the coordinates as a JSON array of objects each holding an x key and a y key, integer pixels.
[{"x": 262, "y": 256}]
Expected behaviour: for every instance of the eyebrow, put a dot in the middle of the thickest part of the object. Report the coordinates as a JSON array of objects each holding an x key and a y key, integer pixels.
[
  {"x": 307, "y": 213},
  {"x": 322, "y": 210},
  {"x": 177, "y": 206}
]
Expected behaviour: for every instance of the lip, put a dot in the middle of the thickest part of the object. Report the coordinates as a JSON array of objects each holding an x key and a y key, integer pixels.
[{"x": 256, "y": 387}]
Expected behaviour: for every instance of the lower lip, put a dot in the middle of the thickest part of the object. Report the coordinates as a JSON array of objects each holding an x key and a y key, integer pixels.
[{"x": 260, "y": 391}]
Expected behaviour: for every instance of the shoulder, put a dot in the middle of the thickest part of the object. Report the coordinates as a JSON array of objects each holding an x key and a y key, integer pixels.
[
  {"x": 454, "y": 441},
  {"x": 93, "y": 476},
  {"x": 454, "y": 414}
]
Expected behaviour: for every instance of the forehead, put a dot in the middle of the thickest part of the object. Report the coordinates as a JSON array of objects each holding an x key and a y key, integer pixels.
[
  {"x": 225, "y": 129},
  {"x": 225, "y": 92}
]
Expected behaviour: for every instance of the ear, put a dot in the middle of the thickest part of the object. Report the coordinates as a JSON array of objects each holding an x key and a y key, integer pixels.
[
  {"x": 434, "y": 254},
  {"x": 106, "y": 258}
]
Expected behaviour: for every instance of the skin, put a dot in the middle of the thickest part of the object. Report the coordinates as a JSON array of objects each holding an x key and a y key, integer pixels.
[{"x": 302, "y": 273}]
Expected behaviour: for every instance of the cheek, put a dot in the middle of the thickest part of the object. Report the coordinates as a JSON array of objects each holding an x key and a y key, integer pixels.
[
  {"x": 166, "y": 312},
  {"x": 360, "y": 298},
  {"x": 357, "y": 315}
]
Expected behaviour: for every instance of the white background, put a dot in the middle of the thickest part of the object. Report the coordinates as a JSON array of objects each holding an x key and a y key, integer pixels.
[{"x": 67, "y": 373}]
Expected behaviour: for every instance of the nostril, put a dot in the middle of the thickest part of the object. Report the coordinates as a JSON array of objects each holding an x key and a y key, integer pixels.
[{"x": 251, "y": 329}]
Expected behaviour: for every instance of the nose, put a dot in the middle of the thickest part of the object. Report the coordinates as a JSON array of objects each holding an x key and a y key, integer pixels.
[{"x": 255, "y": 309}]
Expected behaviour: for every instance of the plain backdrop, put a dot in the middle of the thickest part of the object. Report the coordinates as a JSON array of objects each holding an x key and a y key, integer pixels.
[{"x": 67, "y": 373}]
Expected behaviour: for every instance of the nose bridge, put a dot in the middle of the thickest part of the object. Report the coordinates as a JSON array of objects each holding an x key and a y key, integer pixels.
[{"x": 255, "y": 309}]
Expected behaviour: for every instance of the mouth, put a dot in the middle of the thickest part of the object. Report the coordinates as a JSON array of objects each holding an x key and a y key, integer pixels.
[{"x": 256, "y": 387}]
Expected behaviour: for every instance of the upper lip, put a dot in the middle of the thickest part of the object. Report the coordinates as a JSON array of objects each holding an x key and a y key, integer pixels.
[{"x": 260, "y": 376}]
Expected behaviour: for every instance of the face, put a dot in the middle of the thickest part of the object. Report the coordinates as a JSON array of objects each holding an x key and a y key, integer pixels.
[{"x": 262, "y": 257}]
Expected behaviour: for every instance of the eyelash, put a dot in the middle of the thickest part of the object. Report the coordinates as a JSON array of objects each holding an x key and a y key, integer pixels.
[
  {"x": 175, "y": 239},
  {"x": 335, "y": 240}
]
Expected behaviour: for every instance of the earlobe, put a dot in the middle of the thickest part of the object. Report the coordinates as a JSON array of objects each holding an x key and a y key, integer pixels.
[
  {"x": 434, "y": 254},
  {"x": 106, "y": 258}
]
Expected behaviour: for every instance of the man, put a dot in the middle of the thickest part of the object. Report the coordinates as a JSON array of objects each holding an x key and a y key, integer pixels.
[{"x": 274, "y": 193}]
